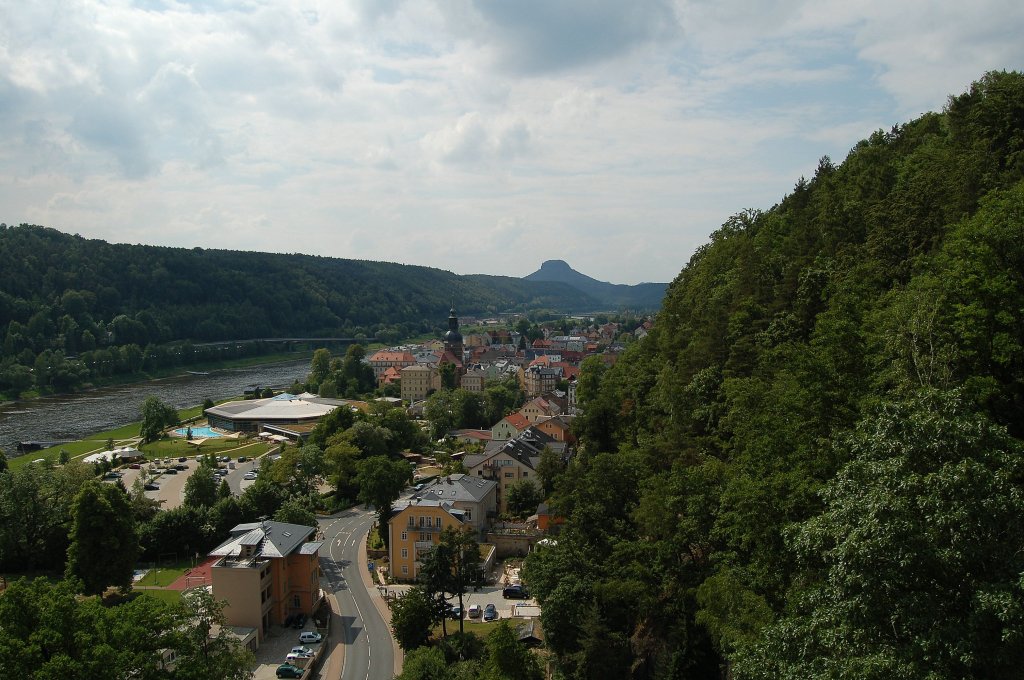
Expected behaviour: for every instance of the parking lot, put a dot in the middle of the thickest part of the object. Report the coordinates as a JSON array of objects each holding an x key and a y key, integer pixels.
[
  {"x": 489, "y": 595},
  {"x": 275, "y": 647}
]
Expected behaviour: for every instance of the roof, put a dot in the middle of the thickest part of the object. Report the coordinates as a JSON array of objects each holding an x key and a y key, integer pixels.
[
  {"x": 517, "y": 420},
  {"x": 393, "y": 356},
  {"x": 281, "y": 407},
  {"x": 271, "y": 539},
  {"x": 458, "y": 487}
]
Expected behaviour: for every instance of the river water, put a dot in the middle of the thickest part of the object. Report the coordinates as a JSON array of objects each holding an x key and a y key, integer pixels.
[{"x": 79, "y": 415}]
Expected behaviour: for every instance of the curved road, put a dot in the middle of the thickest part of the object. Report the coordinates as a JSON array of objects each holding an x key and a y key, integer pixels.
[{"x": 369, "y": 651}]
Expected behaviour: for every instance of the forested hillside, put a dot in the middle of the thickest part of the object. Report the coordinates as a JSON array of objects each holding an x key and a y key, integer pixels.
[
  {"x": 73, "y": 309},
  {"x": 812, "y": 467}
]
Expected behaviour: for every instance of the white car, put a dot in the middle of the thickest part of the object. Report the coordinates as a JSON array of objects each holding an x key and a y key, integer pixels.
[
  {"x": 249, "y": 475},
  {"x": 308, "y": 636}
]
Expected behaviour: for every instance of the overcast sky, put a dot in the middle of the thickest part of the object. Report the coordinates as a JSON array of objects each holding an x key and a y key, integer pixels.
[{"x": 477, "y": 136}]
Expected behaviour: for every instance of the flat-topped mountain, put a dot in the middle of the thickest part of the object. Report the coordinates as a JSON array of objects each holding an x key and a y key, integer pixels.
[{"x": 643, "y": 295}]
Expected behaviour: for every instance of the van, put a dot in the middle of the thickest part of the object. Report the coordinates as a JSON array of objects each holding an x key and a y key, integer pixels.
[{"x": 515, "y": 592}]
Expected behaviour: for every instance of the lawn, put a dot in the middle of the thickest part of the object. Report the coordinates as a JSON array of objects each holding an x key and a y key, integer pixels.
[
  {"x": 162, "y": 577},
  {"x": 168, "y": 596},
  {"x": 479, "y": 628}
]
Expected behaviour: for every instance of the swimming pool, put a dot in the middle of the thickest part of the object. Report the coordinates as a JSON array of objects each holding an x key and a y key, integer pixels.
[{"x": 203, "y": 432}]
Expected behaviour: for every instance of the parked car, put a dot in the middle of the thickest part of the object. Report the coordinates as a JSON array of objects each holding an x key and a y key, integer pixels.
[
  {"x": 515, "y": 592},
  {"x": 150, "y": 486},
  {"x": 286, "y": 670},
  {"x": 309, "y": 636},
  {"x": 292, "y": 657},
  {"x": 474, "y": 611},
  {"x": 135, "y": 466},
  {"x": 454, "y": 612},
  {"x": 301, "y": 651},
  {"x": 181, "y": 466},
  {"x": 112, "y": 475},
  {"x": 299, "y": 622},
  {"x": 249, "y": 475},
  {"x": 171, "y": 471},
  {"x": 182, "y": 459},
  {"x": 242, "y": 459},
  {"x": 490, "y": 612}
]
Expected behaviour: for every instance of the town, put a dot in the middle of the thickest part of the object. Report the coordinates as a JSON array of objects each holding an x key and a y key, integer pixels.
[{"x": 480, "y": 426}]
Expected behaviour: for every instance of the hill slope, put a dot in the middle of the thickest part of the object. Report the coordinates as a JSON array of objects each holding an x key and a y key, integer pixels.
[
  {"x": 640, "y": 296},
  {"x": 63, "y": 296},
  {"x": 813, "y": 466}
]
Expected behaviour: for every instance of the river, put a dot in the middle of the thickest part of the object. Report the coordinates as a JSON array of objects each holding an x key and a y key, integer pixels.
[{"x": 79, "y": 415}]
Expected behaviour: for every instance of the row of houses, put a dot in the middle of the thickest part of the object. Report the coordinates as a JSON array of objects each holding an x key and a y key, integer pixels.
[{"x": 470, "y": 501}]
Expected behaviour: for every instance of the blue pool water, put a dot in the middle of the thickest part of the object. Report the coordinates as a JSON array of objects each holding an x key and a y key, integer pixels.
[{"x": 198, "y": 432}]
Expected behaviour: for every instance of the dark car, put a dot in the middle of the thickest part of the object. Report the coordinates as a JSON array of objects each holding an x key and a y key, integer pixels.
[
  {"x": 515, "y": 592},
  {"x": 490, "y": 612},
  {"x": 300, "y": 621},
  {"x": 242, "y": 459},
  {"x": 170, "y": 471},
  {"x": 150, "y": 486},
  {"x": 286, "y": 670},
  {"x": 182, "y": 459}
]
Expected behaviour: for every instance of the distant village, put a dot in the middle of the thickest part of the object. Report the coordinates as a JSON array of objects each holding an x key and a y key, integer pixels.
[{"x": 540, "y": 366}]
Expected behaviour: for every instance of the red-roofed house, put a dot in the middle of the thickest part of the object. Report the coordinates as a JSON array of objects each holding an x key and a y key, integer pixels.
[
  {"x": 509, "y": 427},
  {"x": 385, "y": 359}
]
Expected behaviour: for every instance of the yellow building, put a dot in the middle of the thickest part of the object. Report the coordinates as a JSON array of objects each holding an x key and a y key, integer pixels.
[
  {"x": 268, "y": 571},
  {"x": 415, "y": 528},
  {"x": 417, "y": 381}
]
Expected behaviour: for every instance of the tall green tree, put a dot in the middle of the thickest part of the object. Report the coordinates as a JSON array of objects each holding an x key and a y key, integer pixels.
[
  {"x": 507, "y": 658},
  {"x": 200, "y": 488},
  {"x": 104, "y": 545},
  {"x": 412, "y": 617},
  {"x": 914, "y": 562},
  {"x": 156, "y": 416},
  {"x": 380, "y": 483},
  {"x": 451, "y": 568}
]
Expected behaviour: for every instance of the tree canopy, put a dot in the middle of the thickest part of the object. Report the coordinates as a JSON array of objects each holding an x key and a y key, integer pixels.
[{"x": 805, "y": 468}]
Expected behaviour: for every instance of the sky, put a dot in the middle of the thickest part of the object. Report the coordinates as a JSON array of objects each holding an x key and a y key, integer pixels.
[{"x": 475, "y": 136}]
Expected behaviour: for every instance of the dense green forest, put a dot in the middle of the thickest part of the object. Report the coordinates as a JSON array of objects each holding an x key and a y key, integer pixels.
[
  {"x": 74, "y": 310},
  {"x": 812, "y": 467}
]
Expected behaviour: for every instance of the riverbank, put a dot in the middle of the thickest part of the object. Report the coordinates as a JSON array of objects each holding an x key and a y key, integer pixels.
[
  {"x": 148, "y": 376},
  {"x": 79, "y": 416}
]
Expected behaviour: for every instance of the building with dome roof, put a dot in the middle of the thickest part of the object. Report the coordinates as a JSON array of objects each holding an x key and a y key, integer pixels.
[{"x": 453, "y": 338}]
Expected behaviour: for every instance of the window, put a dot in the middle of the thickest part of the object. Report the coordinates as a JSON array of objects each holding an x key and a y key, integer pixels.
[
  {"x": 405, "y": 552},
  {"x": 296, "y": 601},
  {"x": 405, "y": 568},
  {"x": 437, "y": 520},
  {"x": 526, "y": 474},
  {"x": 412, "y": 521},
  {"x": 469, "y": 515},
  {"x": 510, "y": 474},
  {"x": 405, "y": 535},
  {"x": 424, "y": 521}
]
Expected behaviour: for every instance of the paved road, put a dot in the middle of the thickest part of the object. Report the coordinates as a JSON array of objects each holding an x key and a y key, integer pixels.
[{"x": 369, "y": 654}]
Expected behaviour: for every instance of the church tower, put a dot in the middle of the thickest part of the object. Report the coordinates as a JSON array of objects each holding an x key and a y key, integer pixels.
[{"x": 453, "y": 339}]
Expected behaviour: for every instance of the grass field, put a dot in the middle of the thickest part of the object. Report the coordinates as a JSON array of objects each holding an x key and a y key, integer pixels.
[
  {"x": 161, "y": 577},
  {"x": 476, "y": 627},
  {"x": 168, "y": 596}
]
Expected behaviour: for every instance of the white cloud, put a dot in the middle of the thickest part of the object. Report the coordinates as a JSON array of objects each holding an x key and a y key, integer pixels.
[{"x": 614, "y": 135}]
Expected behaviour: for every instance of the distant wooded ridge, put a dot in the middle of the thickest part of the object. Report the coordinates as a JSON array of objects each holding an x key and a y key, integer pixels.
[{"x": 65, "y": 298}]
